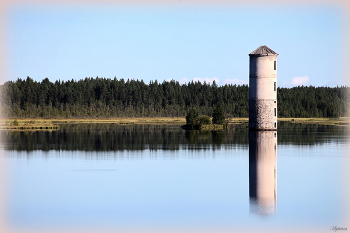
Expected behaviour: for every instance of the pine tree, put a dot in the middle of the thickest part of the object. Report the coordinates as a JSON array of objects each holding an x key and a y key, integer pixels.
[
  {"x": 192, "y": 118},
  {"x": 218, "y": 115}
]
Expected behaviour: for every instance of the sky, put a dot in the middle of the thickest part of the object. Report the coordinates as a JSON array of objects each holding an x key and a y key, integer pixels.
[{"x": 174, "y": 42}]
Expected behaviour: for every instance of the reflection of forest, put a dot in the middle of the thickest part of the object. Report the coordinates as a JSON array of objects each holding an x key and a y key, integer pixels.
[
  {"x": 113, "y": 137},
  {"x": 309, "y": 134}
]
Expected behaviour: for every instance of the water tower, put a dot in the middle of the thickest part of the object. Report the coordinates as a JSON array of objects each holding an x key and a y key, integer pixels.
[{"x": 263, "y": 89}]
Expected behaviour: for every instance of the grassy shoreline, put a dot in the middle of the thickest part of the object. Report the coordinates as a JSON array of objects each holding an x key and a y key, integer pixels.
[
  {"x": 53, "y": 124},
  {"x": 341, "y": 121}
]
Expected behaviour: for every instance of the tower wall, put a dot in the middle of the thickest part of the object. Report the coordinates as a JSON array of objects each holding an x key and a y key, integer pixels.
[
  {"x": 262, "y": 114},
  {"x": 262, "y": 65},
  {"x": 263, "y": 91}
]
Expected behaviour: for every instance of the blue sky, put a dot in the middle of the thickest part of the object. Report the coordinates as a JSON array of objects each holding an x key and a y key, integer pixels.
[{"x": 163, "y": 42}]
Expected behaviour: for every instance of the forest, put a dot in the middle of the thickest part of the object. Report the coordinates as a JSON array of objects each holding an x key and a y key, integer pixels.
[{"x": 105, "y": 98}]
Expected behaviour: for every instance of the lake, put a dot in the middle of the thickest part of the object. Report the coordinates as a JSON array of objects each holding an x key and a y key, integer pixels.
[{"x": 142, "y": 177}]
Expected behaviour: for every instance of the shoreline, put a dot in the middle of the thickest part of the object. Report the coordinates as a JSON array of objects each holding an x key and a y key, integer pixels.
[{"x": 53, "y": 124}]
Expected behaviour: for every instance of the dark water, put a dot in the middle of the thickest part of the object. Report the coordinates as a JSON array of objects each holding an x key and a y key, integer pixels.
[{"x": 156, "y": 176}]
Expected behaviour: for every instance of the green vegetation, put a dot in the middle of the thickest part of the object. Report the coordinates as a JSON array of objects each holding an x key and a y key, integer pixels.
[
  {"x": 204, "y": 120},
  {"x": 192, "y": 118},
  {"x": 193, "y": 121},
  {"x": 218, "y": 115},
  {"x": 112, "y": 98}
]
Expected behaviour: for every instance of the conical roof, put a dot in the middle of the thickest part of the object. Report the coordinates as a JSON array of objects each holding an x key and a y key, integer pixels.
[{"x": 263, "y": 50}]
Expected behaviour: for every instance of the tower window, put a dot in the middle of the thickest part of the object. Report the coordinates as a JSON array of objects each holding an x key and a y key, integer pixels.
[
  {"x": 275, "y": 127},
  {"x": 274, "y": 65},
  {"x": 275, "y": 111},
  {"x": 274, "y": 86}
]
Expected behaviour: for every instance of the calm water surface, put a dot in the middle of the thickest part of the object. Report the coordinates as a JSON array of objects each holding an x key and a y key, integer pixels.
[{"x": 107, "y": 175}]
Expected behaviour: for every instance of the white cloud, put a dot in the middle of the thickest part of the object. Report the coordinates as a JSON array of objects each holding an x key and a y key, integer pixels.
[
  {"x": 234, "y": 81},
  {"x": 183, "y": 80},
  {"x": 302, "y": 80},
  {"x": 207, "y": 80}
]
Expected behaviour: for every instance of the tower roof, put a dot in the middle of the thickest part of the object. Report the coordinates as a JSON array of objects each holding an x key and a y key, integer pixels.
[{"x": 263, "y": 50}]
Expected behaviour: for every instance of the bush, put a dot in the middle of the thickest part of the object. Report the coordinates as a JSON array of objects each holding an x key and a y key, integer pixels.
[
  {"x": 195, "y": 122},
  {"x": 15, "y": 122},
  {"x": 204, "y": 120}
]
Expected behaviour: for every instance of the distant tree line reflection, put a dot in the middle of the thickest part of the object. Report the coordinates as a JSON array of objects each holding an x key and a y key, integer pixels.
[{"x": 114, "y": 137}]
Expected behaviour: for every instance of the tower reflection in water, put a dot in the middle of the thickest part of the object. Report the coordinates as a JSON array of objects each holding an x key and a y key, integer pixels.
[{"x": 262, "y": 171}]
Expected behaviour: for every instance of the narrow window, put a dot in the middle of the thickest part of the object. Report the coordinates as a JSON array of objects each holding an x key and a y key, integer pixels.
[
  {"x": 275, "y": 110},
  {"x": 274, "y": 65},
  {"x": 274, "y": 86},
  {"x": 275, "y": 127}
]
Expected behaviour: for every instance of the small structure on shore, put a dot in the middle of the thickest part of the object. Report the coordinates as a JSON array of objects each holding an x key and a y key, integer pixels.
[{"x": 263, "y": 89}]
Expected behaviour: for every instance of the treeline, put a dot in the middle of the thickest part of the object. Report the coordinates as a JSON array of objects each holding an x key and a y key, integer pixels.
[{"x": 102, "y": 98}]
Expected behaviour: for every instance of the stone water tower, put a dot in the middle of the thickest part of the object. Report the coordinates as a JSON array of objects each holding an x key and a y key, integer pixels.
[{"x": 263, "y": 89}]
